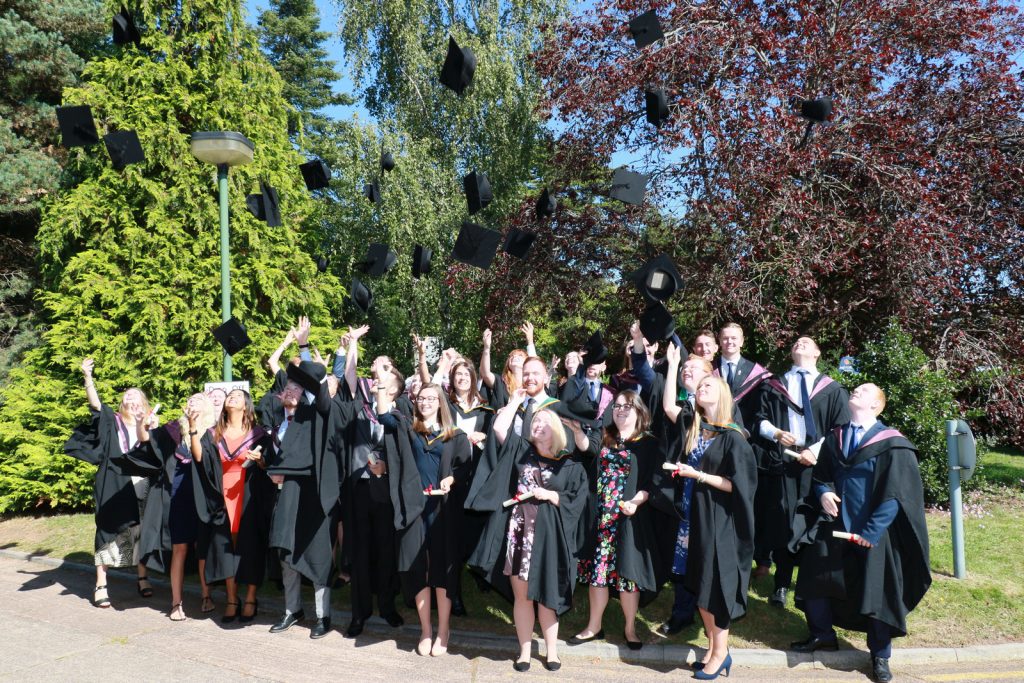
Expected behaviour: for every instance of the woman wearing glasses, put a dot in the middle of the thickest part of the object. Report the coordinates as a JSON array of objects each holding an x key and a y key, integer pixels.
[
  {"x": 431, "y": 454},
  {"x": 618, "y": 551}
]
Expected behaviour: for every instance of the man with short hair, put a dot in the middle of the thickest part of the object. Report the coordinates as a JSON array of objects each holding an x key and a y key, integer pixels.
[
  {"x": 704, "y": 345},
  {"x": 867, "y": 483}
]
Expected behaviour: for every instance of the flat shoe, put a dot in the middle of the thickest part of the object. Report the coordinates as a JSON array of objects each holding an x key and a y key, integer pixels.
[
  {"x": 146, "y": 590},
  {"x": 100, "y": 597},
  {"x": 207, "y": 605},
  {"x": 423, "y": 648},
  {"x": 521, "y": 666},
  {"x": 577, "y": 640},
  {"x": 552, "y": 666},
  {"x": 177, "y": 613}
]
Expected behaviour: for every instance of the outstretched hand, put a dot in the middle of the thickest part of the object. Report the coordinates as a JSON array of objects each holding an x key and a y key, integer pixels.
[
  {"x": 87, "y": 366},
  {"x": 302, "y": 331},
  {"x": 487, "y": 338}
]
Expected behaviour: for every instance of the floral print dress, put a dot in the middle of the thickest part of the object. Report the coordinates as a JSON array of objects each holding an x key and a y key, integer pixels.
[
  {"x": 683, "y": 535},
  {"x": 523, "y": 520},
  {"x": 602, "y": 568}
]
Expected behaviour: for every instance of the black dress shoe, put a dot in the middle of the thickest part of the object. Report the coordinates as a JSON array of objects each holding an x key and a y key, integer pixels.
[
  {"x": 458, "y": 609},
  {"x": 552, "y": 666},
  {"x": 394, "y": 619},
  {"x": 674, "y": 626},
  {"x": 522, "y": 666},
  {"x": 576, "y": 640},
  {"x": 778, "y": 598},
  {"x": 287, "y": 621},
  {"x": 880, "y": 669},
  {"x": 320, "y": 628},
  {"x": 812, "y": 644},
  {"x": 355, "y": 627}
]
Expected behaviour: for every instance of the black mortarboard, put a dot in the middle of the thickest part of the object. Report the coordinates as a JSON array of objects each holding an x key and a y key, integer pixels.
[
  {"x": 478, "y": 191},
  {"x": 372, "y": 192},
  {"x": 656, "y": 323},
  {"x": 316, "y": 174},
  {"x": 657, "y": 106},
  {"x": 579, "y": 408},
  {"x": 124, "y": 148},
  {"x": 308, "y": 375},
  {"x": 517, "y": 242},
  {"x": 266, "y": 206},
  {"x": 421, "y": 260},
  {"x": 232, "y": 336},
  {"x": 77, "y": 127},
  {"x": 646, "y": 29},
  {"x": 597, "y": 352},
  {"x": 817, "y": 110},
  {"x": 362, "y": 297},
  {"x": 379, "y": 259},
  {"x": 628, "y": 186},
  {"x": 657, "y": 279},
  {"x": 321, "y": 264},
  {"x": 476, "y": 245},
  {"x": 387, "y": 161},
  {"x": 546, "y": 205},
  {"x": 124, "y": 29},
  {"x": 459, "y": 67}
]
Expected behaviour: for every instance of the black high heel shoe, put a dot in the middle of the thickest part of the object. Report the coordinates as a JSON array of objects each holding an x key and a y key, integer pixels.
[
  {"x": 230, "y": 618},
  {"x": 255, "y": 609}
]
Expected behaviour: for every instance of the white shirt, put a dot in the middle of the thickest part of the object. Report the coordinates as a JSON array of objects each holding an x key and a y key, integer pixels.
[{"x": 797, "y": 427}]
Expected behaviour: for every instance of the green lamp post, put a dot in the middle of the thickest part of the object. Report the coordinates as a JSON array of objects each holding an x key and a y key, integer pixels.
[{"x": 223, "y": 149}]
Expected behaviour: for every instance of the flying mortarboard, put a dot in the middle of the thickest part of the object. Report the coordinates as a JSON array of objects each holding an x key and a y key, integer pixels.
[
  {"x": 817, "y": 110},
  {"x": 308, "y": 375},
  {"x": 316, "y": 174},
  {"x": 476, "y": 245},
  {"x": 362, "y": 297},
  {"x": 656, "y": 104},
  {"x": 597, "y": 352},
  {"x": 232, "y": 336},
  {"x": 646, "y": 29},
  {"x": 387, "y": 161},
  {"x": 421, "y": 261},
  {"x": 478, "y": 191},
  {"x": 321, "y": 264},
  {"x": 657, "y": 279},
  {"x": 379, "y": 259},
  {"x": 124, "y": 29},
  {"x": 265, "y": 206},
  {"x": 628, "y": 186},
  {"x": 518, "y": 242},
  {"x": 546, "y": 205},
  {"x": 124, "y": 148},
  {"x": 372, "y": 192},
  {"x": 656, "y": 323},
  {"x": 77, "y": 127},
  {"x": 459, "y": 67}
]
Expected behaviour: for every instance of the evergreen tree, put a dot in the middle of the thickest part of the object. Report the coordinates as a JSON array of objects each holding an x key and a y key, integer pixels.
[{"x": 130, "y": 259}]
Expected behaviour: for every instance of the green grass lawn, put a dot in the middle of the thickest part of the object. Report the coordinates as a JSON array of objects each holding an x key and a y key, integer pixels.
[{"x": 986, "y": 607}]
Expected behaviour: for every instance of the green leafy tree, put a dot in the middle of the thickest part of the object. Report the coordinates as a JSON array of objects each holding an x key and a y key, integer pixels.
[{"x": 130, "y": 259}]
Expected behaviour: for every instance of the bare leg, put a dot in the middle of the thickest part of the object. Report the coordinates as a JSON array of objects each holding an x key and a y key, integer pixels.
[
  {"x": 720, "y": 646},
  {"x": 598, "y": 602},
  {"x": 423, "y": 612},
  {"x": 549, "y": 627},
  {"x": 630, "y": 606},
  {"x": 522, "y": 613},
  {"x": 101, "y": 597},
  {"x": 709, "y": 625},
  {"x": 231, "y": 587},
  {"x": 444, "y": 615},
  {"x": 207, "y": 600},
  {"x": 249, "y": 606}
]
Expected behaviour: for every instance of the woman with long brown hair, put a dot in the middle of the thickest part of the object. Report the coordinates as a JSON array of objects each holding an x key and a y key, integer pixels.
[
  {"x": 231, "y": 491},
  {"x": 500, "y": 387}
]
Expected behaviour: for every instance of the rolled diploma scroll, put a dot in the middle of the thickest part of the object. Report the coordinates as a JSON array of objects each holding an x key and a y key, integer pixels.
[
  {"x": 433, "y": 492},
  {"x": 846, "y": 536},
  {"x": 517, "y": 499},
  {"x": 669, "y": 466}
]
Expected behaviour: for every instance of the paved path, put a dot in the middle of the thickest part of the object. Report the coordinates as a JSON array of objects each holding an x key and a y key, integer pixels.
[{"x": 51, "y": 632}]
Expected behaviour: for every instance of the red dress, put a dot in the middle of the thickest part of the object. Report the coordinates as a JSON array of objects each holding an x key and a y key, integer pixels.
[{"x": 234, "y": 477}]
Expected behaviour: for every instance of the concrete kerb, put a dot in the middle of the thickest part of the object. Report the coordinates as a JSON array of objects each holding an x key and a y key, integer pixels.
[{"x": 652, "y": 653}]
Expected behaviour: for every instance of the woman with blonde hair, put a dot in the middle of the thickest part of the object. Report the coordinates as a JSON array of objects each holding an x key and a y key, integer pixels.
[{"x": 720, "y": 471}]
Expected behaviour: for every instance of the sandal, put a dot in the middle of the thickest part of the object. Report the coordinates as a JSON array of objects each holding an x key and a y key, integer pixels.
[
  {"x": 245, "y": 618},
  {"x": 207, "y": 605},
  {"x": 100, "y": 597},
  {"x": 177, "y": 613},
  {"x": 146, "y": 590},
  {"x": 230, "y": 618}
]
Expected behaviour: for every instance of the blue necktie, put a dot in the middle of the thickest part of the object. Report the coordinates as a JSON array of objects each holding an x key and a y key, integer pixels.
[
  {"x": 805, "y": 401},
  {"x": 852, "y": 439},
  {"x": 729, "y": 378},
  {"x": 593, "y": 391}
]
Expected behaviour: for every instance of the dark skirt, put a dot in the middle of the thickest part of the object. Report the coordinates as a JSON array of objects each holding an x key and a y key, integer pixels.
[{"x": 182, "y": 519}]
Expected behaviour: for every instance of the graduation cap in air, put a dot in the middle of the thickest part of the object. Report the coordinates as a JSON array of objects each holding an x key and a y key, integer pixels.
[
  {"x": 646, "y": 29},
  {"x": 372, "y": 192},
  {"x": 321, "y": 264},
  {"x": 476, "y": 245},
  {"x": 656, "y": 103},
  {"x": 579, "y": 408},
  {"x": 597, "y": 352},
  {"x": 232, "y": 336},
  {"x": 316, "y": 174},
  {"x": 478, "y": 191},
  {"x": 77, "y": 127},
  {"x": 124, "y": 29},
  {"x": 387, "y": 161},
  {"x": 421, "y": 261},
  {"x": 656, "y": 323},
  {"x": 362, "y": 297},
  {"x": 124, "y": 148},
  {"x": 518, "y": 242},
  {"x": 459, "y": 67},
  {"x": 628, "y": 186},
  {"x": 815, "y": 111},
  {"x": 546, "y": 205},
  {"x": 379, "y": 259},
  {"x": 657, "y": 279},
  {"x": 265, "y": 206},
  {"x": 308, "y": 375}
]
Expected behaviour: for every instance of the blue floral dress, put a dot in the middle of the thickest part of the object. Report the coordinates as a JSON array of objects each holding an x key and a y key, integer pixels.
[
  {"x": 602, "y": 568},
  {"x": 683, "y": 536}
]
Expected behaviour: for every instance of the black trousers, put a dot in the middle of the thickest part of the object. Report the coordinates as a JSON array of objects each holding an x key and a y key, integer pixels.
[{"x": 372, "y": 548}]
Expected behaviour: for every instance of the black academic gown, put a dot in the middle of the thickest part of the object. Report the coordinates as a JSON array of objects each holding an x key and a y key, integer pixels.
[
  {"x": 884, "y": 582},
  {"x": 721, "y": 546},
  {"x": 636, "y": 551},
  {"x": 784, "y": 482},
  {"x": 245, "y": 560},
  {"x": 304, "y": 522},
  {"x": 557, "y": 535},
  {"x": 472, "y": 522},
  {"x": 97, "y": 443}
]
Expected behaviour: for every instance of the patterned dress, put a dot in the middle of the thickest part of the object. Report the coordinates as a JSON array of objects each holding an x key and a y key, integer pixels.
[
  {"x": 683, "y": 535},
  {"x": 602, "y": 568},
  {"x": 523, "y": 520}
]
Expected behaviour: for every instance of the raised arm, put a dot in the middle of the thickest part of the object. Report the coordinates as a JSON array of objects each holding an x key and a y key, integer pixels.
[
  {"x": 668, "y": 397},
  {"x": 638, "y": 353},
  {"x": 503, "y": 420},
  {"x": 275, "y": 358},
  {"x": 338, "y": 366},
  {"x": 485, "y": 361},
  {"x": 90, "y": 386},
  {"x": 353, "y": 357},
  {"x": 531, "y": 348},
  {"x": 421, "y": 358}
]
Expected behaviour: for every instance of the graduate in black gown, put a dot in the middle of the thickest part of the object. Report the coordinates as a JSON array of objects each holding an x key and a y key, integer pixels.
[
  {"x": 866, "y": 482},
  {"x": 528, "y": 550},
  {"x": 425, "y": 455},
  {"x": 233, "y": 500},
  {"x": 721, "y": 476},
  {"x": 796, "y": 413},
  {"x": 170, "y": 520},
  {"x": 619, "y": 552},
  {"x": 118, "y": 496}
]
